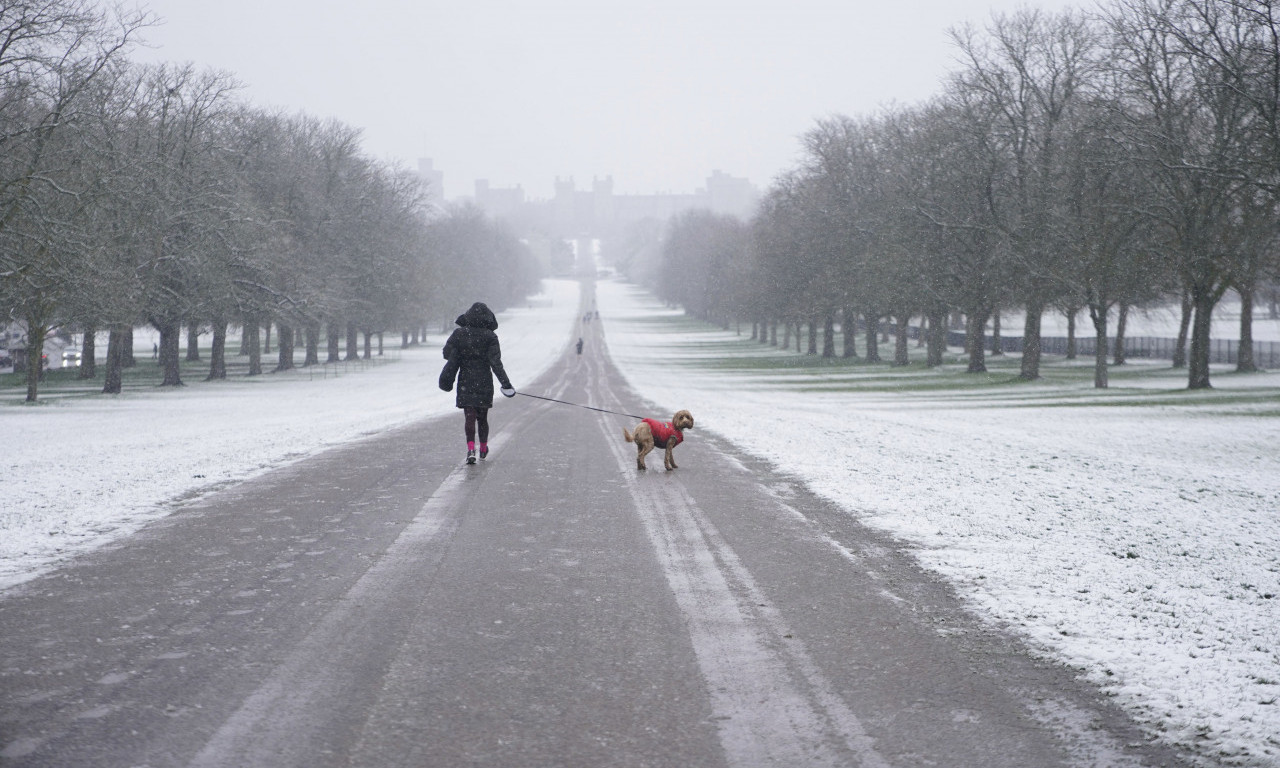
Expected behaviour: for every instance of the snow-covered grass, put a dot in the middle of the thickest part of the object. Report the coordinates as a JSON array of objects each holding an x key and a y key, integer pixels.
[
  {"x": 1134, "y": 532},
  {"x": 80, "y": 469}
]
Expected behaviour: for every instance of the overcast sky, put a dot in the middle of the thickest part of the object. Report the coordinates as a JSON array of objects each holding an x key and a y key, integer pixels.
[{"x": 656, "y": 93}]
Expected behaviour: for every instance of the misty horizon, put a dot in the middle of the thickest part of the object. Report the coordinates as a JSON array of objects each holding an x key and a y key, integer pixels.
[{"x": 657, "y": 97}]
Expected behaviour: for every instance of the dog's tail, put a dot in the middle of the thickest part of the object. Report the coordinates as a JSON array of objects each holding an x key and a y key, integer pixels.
[{"x": 627, "y": 434}]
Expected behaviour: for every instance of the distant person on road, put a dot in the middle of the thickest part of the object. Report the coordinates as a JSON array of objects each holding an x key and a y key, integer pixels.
[
  {"x": 473, "y": 357},
  {"x": 579, "y": 345}
]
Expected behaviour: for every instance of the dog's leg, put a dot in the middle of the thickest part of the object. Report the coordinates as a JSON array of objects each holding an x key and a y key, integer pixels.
[
  {"x": 643, "y": 447},
  {"x": 669, "y": 458}
]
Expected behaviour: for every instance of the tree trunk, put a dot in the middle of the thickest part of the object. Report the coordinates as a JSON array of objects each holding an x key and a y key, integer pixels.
[
  {"x": 1071, "y": 333},
  {"x": 368, "y": 348},
  {"x": 773, "y": 334},
  {"x": 250, "y": 341},
  {"x": 333, "y": 343},
  {"x": 313, "y": 344},
  {"x": 813, "y": 337},
  {"x": 36, "y": 333},
  {"x": 1184, "y": 325},
  {"x": 1098, "y": 314},
  {"x": 170, "y": 352},
  {"x": 997, "y": 348},
  {"x": 266, "y": 338},
  {"x": 937, "y": 338},
  {"x": 1031, "y": 343},
  {"x": 127, "y": 360},
  {"x": 193, "y": 343},
  {"x": 1201, "y": 322},
  {"x": 113, "y": 379},
  {"x": 1118, "y": 351},
  {"x": 284, "y": 342},
  {"x": 218, "y": 355},
  {"x": 976, "y": 341},
  {"x": 901, "y": 348},
  {"x": 89, "y": 353},
  {"x": 849, "y": 327},
  {"x": 380, "y": 343},
  {"x": 1244, "y": 360},
  {"x": 353, "y": 342},
  {"x": 829, "y": 335},
  {"x": 872, "y": 338},
  {"x": 786, "y": 335}
]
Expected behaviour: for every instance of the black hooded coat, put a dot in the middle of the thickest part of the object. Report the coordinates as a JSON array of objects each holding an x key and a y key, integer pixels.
[{"x": 474, "y": 358}]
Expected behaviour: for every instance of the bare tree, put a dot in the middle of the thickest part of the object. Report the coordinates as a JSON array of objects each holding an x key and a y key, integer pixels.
[
  {"x": 966, "y": 253},
  {"x": 51, "y": 53},
  {"x": 1191, "y": 130},
  {"x": 1239, "y": 42},
  {"x": 1029, "y": 70}
]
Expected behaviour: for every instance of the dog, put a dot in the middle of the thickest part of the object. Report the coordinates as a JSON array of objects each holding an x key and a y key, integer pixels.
[{"x": 650, "y": 432}]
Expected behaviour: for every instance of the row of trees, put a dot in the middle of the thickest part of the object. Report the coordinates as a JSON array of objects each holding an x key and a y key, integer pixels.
[
  {"x": 137, "y": 194},
  {"x": 1077, "y": 162}
]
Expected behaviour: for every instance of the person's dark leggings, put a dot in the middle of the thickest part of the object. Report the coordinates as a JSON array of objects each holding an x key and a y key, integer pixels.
[{"x": 474, "y": 417}]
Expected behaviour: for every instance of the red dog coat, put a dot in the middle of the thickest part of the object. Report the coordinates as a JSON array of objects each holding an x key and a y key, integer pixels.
[{"x": 663, "y": 431}]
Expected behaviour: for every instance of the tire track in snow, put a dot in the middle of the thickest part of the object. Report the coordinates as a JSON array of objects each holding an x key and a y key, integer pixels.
[{"x": 772, "y": 703}]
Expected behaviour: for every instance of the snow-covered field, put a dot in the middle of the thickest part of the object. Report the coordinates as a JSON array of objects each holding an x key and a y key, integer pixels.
[
  {"x": 1140, "y": 542},
  {"x": 1159, "y": 322},
  {"x": 81, "y": 471}
]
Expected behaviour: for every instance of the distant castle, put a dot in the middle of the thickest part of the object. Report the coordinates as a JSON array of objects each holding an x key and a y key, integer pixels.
[
  {"x": 434, "y": 181},
  {"x": 598, "y": 212}
]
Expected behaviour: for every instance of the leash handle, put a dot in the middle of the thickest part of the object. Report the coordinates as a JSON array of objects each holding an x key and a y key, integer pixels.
[{"x": 579, "y": 405}]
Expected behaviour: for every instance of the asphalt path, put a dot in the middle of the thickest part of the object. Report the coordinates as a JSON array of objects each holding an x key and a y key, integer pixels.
[{"x": 382, "y": 604}]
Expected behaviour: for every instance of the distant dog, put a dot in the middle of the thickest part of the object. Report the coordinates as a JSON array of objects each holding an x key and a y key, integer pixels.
[{"x": 663, "y": 434}]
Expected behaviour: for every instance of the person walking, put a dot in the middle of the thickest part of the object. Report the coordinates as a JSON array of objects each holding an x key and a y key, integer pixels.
[{"x": 473, "y": 357}]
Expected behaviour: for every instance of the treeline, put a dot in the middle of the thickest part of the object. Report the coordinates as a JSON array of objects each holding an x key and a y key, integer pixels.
[
  {"x": 134, "y": 194},
  {"x": 1073, "y": 162}
]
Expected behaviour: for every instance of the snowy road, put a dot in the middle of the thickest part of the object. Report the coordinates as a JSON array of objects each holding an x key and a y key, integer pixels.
[{"x": 381, "y": 605}]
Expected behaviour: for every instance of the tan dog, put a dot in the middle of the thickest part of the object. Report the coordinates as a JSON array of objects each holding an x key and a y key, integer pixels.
[{"x": 651, "y": 432}]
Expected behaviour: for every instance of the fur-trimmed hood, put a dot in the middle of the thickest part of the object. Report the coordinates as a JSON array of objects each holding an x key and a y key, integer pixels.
[{"x": 479, "y": 316}]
